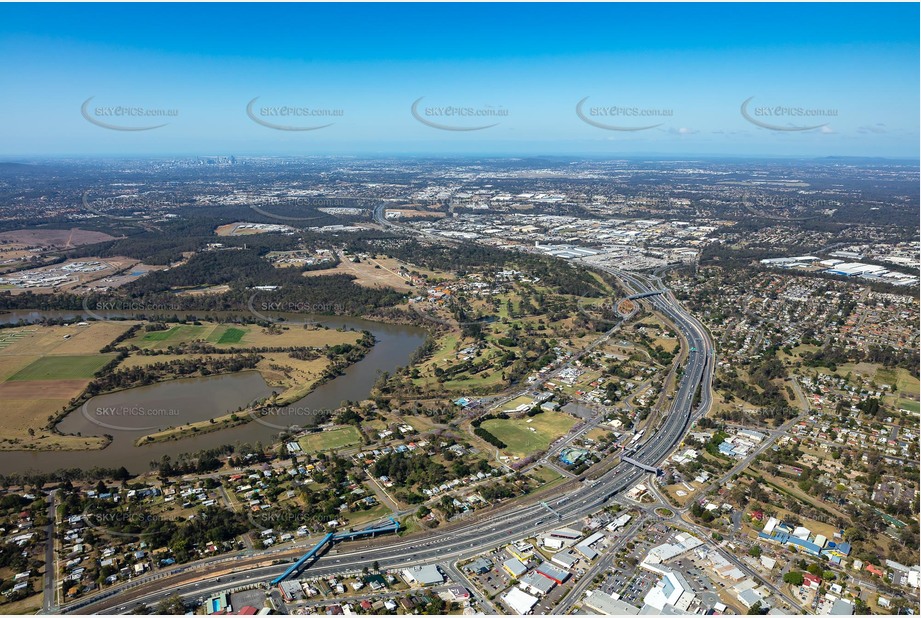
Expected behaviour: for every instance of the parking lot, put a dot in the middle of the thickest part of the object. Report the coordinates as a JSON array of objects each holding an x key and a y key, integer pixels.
[
  {"x": 637, "y": 587},
  {"x": 254, "y": 598}
]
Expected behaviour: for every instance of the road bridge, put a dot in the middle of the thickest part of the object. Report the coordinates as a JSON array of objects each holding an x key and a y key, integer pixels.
[
  {"x": 641, "y": 465},
  {"x": 646, "y": 294}
]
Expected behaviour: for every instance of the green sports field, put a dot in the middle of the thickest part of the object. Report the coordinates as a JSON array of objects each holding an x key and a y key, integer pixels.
[
  {"x": 524, "y": 438},
  {"x": 176, "y": 333},
  {"x": 231, "y": 335},
  {"x": 330, "y": 440}
]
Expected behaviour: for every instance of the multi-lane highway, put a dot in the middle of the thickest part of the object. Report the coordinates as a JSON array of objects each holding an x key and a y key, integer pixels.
[{"x": 471, "y": 536}]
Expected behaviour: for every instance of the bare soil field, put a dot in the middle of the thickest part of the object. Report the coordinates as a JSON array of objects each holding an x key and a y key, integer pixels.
[
  {"x": 35, "y": 341},
  {"x": 43, "y": 389},
  {"x": 15, "y": 256},
  {"x": 137, "y": 360},
  {"x": 278, "y": 369},
  {"x": 22, "y": 411},
  {"x": 214, "y": 289},
  {"x": 366, "y": 274},
  {"x": 73, "y": 237},
  {"x": 11, "y": 364},
  {"x": 296, "y": 376}
]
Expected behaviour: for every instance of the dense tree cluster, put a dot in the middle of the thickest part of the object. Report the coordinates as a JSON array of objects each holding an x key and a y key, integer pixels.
[{"x": 416, "y": 470}]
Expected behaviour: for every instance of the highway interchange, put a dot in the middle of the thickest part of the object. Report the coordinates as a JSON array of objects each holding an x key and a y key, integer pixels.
[{"x": 470, "y": 536}]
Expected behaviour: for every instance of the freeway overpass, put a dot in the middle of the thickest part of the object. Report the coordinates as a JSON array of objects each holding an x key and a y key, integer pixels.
[
  {"x": 646, "y": 294},
  {"x": 639, "y": 464}
]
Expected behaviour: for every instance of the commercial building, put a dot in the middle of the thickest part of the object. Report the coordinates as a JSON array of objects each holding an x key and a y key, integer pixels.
[
  {"x": 566, "y": 559},
  {"x": 671, "y": 590},
  {"x": 291, "y": 590},
  {"x": 620, "y": 522},
  {"x": 535, "y": 583},
  {"x": 479, "y": 566},
  {"x": 514, "y": 567},
  {"x": 554, "y": 573},
  {"x": 585, "y": 547},
  {"x": 682, "y": 543},
  {"x": 426, "y": 575},
  {"x": 841, "y": 607},
  {"x": 521, "y": 550},
  {"x": 566, "y": 533},
  {"x": 519, "y": 601},
  {"x": 607, "y": 605}
]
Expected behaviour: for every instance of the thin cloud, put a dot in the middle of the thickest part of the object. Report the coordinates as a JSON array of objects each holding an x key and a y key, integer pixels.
[{"x": 877, "y": 128}]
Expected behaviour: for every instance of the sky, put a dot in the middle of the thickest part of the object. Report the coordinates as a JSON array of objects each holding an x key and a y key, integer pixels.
[{"x": 793, "y": 80}]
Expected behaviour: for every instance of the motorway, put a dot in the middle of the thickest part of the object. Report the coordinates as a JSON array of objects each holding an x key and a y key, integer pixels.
[{"x": 471, "y": 536}]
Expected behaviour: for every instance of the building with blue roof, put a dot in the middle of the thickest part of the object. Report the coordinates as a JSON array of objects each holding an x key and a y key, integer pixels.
[
  {"x": 571, "y": 456},
  {"x": 782, "y": 535}
]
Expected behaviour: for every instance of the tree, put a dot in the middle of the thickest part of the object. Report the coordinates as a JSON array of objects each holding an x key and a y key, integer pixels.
[
  {"x": 755, "y": 551},
  {"x": 794, "y": 578},
  {"x": 854, "y": 534},
  {"x": 171, "y": 605}
]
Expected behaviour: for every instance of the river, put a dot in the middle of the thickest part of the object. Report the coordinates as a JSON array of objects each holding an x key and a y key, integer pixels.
[{"x": 177, "y": 402}]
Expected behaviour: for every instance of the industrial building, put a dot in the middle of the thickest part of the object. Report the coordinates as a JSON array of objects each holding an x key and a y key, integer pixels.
[{"x": 291, "y": 590}]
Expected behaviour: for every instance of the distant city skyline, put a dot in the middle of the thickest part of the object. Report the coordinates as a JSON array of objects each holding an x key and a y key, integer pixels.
[{"x": 619, "y": 80}]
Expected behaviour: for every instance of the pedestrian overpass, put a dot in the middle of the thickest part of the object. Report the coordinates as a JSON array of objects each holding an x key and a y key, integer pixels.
[{"x": 331, "y": 539}]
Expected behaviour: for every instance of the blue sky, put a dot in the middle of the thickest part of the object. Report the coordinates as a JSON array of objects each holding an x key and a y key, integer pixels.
[{"x": 851, "y": 70}]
